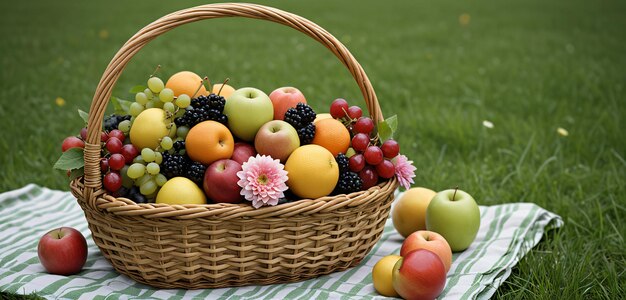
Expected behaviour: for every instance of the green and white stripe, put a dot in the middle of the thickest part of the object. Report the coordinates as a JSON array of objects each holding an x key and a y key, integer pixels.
[{"x": 506, "y": 234}]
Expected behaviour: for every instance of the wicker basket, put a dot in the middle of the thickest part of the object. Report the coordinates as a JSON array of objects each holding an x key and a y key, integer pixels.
[{"x": 221, "y": 245}]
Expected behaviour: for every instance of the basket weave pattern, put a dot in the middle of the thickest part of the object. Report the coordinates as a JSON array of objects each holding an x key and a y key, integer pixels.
[{"x": 220, "y": 245}]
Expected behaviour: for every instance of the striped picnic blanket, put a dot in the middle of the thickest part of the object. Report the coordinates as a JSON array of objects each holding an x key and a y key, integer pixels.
[{"x": 507, "y": 233}]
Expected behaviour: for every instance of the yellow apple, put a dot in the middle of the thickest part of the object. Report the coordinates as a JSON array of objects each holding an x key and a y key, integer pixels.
[
  {"x": 409, "y": 213},
  {"x": 382, "y": 275}
]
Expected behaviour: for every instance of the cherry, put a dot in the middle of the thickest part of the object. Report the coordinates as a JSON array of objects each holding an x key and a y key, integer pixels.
[
  {"x": 104, "y": 165},
  {"x": 104, "y": 136},
  {"x": 117, "y": 161},
  {"x": 72, "y": 142},
  {"x": 114, "y": 145},
  {"x": 83, "y": 133},
  {"x": 386, "y": 169},
  {"x": 118, "y": 134},
  {"x": 390, "y": 148},
  {"x": 112, "y": 181},
  {"x": 364, "y": 125},
  {"x": 338, "y": 108},
  {"x": 360, "y": 141},
  {"x": 130, "y": 152},
  {"x": 354, "y": 112},
  {"x": 373, "y": 155},
  {"x": 369, "y": 177},
  {"x": 356, "y": 162}
]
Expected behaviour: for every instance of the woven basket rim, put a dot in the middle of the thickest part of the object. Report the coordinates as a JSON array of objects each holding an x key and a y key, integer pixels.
[{"x": 125, "y": 206}]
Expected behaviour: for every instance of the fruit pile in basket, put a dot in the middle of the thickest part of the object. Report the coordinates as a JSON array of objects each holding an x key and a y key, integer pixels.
[{"x": 186, "y": 141}]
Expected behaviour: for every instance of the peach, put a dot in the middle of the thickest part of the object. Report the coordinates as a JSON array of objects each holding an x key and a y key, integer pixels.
[
  {"x": 285, "y": 98},
  {"x": 223, "y": 90},
  {"x": 209, "y": 141},
  {"x": 186, "y": 82}
]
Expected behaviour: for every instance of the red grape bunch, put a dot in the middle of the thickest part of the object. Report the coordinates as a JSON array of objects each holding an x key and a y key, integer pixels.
[{"x": 370, "y": 158}]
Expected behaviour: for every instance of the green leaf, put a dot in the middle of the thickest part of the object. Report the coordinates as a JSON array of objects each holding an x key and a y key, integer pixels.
[
  {"x": 393, "y": 123},
  {"x": 384, "y": 131},
  {"x": 121, "y": 107},
  {"x": 83, "y": 115},
  {"x": 71, "y": 159},
  {"x": 387, "y": 128},
  {"x": 136, "y": 89},
  {"x": 77, "y": 173}
]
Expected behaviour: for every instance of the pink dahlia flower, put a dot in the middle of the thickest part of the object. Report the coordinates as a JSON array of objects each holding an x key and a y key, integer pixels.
[
  {"x": 405, "y": 170},
  {"x": 262, "y": 180}
]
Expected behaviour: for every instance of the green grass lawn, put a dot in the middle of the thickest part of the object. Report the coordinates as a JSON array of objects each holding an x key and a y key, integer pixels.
[{"x": 528, "y": 66}]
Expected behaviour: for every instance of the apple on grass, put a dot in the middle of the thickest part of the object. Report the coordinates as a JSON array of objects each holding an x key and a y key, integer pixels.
[
  {"x": 220, "y": 181},
  {"x": 242, "y": 151},
  {"x": 247, "y": 110},
  {"x": 285, "y": 98},
  {"x": 420, "y": 274},
  {"x": 277, "y": 139},
  {"x": 62, "y": 251},
  {"x": 455, "y": 215},
  {"x": 428, "y": 240}
]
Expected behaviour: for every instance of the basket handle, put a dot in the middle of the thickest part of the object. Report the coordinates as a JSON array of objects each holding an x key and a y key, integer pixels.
[{"x": 134, "y": 44}]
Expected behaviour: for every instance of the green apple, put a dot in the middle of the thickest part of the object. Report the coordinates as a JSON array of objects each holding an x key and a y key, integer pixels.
[
  {"x": 455, "y": 215},
  {"x": 247, "y": 110}
]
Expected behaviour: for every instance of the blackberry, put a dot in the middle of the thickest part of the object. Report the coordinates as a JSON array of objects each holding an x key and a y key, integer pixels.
[
  {"x": 173, "y": 165},
  {"x": 306, "y": 134},
  {"x": 201, "y": 101},
  {"x": 203, "y": 113},
  {"x": 300, "y": 116},
  {"x": 181, "y": 121},
  {"x": 212, "y": 101},
  {"x": 349, "y": 182},
  {"x": 292, "y": 117},
  {"x": 306, "y": 112},
  {"x": 217, "y": 102},
  {"x": 122, "y": 192},
  {"x": 194, "y": 116},
  {"x": 179, "y": 145},
  {"x": 135, "y": 195},
  {"x": 111, "y": 122},
  {"x": 195, "y": 172},
  {"x": 217, "y": 115},
  {"x": 342, "y": 162}
]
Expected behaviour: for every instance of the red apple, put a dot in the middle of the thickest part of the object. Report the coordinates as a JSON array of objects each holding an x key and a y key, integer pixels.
[
  {"x": 220, "y": 181},
  {"x": 72, "y": 142},
  {"x": 424, "y": 239},
  {"x": 285, "y": 98},
  {"x": 242, "y": 152},
  {"x": 419, "y": 275},
  {"x": 277, "y": 139},
  {"x": 63, "y": 251}
]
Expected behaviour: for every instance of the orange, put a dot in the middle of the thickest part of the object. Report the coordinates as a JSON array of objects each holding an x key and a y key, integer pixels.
[
  {"x": 322, "y": 116},
  {"x": 186, "y": 82},
  {"x": 332, "y": 135},
  {"x": 209, "y": 141},
  {"x": 312, "y": 172}
]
